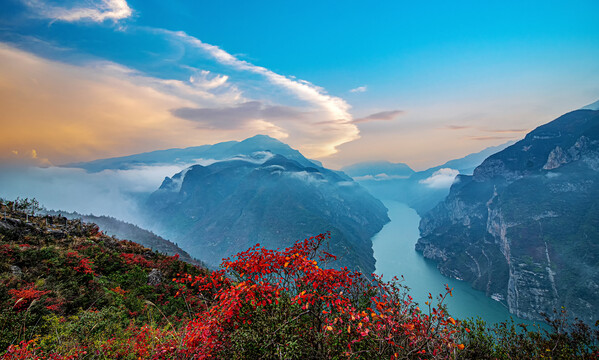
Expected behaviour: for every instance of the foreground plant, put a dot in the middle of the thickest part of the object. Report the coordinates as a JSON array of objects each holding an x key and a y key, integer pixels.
[
  {"x": 287, "y": 304},
  {"x": 263, "y": 304}
]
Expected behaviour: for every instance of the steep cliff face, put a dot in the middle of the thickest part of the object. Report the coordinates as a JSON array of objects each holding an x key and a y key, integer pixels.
[{"x": 524, "y": 227}]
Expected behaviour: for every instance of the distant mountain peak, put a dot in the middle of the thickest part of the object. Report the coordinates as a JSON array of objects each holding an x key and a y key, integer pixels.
[
  {"x": 262, "y": 137},
  {"x": 248, "y": 149},
  {"x": 594, "y": 106}
]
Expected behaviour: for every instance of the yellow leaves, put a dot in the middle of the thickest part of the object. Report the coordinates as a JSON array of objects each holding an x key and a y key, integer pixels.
[
  {"x": 329, "y": 328},
  {"x": 451, "y": 320},
  {"x": 286, "y": 264},
  {"x": 348, "y": 329}
]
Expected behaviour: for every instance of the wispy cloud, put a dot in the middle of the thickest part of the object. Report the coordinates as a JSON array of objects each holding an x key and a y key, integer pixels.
[
  {"x": 359, "y": 89},
  {"x": 98, "y": 109},
  {"x": 324, "y": 107},
  {"x": 204, "y": 79},
  {"x": 485, "y": 138},
  {"x": 103, "y": 109},
  {"x": 506, "y": 131},
  {"x": 238, "y": 115},
  {"x": 304, "y": 90},
  {"x": 97, "y": 11},
  {"x": 94, "y": 10},
  {"x": 496, "y": 131},
  {"x": 380, "y": 116},
  {"x": 457, "y": 127}
]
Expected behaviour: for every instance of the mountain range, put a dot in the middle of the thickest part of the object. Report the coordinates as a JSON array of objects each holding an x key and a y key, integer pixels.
[
  {"x": 524, "y": 226},
  {"x": 421, "y": 190},
  {"x": 226, "y": 207},
  {"x": 258, "y": 190},
  {"x": 191, "y": 155}
]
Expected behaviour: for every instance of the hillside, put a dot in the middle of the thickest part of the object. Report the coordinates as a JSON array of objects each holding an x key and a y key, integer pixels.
[
  {"x": 69, "y": 292},
  {"x": 123, "y": 230},
  {"x": 226, "y": 207},
  {"x": 524, "y": 228},
  {"x": 57, "y": 271}
]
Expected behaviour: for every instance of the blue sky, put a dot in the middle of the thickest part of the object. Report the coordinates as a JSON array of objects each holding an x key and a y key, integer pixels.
[{"x": 414, "y": 82}]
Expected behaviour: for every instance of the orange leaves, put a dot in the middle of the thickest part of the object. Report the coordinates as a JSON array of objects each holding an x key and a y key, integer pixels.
[
  {"x": 360, "y": 314},
  {"x": 119, "y": 291},
  {"x": 80, "y": 264},
  {"x": 25, "y": 296}
]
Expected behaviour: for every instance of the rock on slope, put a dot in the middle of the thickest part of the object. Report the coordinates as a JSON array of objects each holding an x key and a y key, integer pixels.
[{"x": 524, "y": 228}]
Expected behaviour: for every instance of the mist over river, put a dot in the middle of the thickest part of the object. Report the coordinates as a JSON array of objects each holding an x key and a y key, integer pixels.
[{"x": 395, "y": 256}]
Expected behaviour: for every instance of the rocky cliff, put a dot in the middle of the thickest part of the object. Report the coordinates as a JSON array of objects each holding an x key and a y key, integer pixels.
[{"x": 524, "y": 228}]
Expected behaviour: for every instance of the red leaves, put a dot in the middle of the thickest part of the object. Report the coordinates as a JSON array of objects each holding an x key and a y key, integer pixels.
[
  {"x": 25, "y": 296},
  {"x": 80, "y": 264},
  {"x": 350, "y": 308},
  {"x": 28, "y": 350},
  {"x": 276, "y": 298},
  {"x": 136, "y": 259}
]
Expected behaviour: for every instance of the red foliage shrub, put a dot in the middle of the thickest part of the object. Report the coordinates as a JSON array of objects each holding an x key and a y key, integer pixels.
[
  {"x": 341, "y": 312},
  {"x": 136, "y": 259},
  {"x": 80, "y": 264},
  {"x": 25, "y": 296},
  {"x": 28, "y": 350}
]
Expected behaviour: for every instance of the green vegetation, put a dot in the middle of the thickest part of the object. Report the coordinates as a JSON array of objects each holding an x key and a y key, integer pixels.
[{"x": 70, "y": 292}]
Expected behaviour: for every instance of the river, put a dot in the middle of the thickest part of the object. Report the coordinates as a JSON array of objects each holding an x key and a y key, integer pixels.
[{"x": 395, "y": 256}]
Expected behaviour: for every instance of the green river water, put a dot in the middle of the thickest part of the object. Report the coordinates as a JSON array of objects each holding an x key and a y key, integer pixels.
[{"x": 395, "y": 256}]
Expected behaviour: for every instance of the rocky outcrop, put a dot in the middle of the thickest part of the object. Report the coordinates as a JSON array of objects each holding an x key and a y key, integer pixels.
[
  {"x": 155, "y": 277},
  {"x": 525, "y": 227}
]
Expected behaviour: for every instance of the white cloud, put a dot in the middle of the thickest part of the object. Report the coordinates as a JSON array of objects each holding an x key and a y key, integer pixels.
[
  {"x": 109, "y": 192},
  {"x": 99, "y": 109},
  {"x": 380, "y": 177},
  {"x": 309, "y": 178},
  {"x": 203, "y": 80},
  {"x": 441, "y": 179},
  {"x": 316, "y": 142},
  {"x": 82, "y": 103},
  {"x": 359, "y": 89},
  {"x": 95, "y": 10},
  {"x": 380, "y": 116}
]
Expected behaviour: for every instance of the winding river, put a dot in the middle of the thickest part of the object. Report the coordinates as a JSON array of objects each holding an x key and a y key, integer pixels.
[{"x": 395, "y": 256}]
